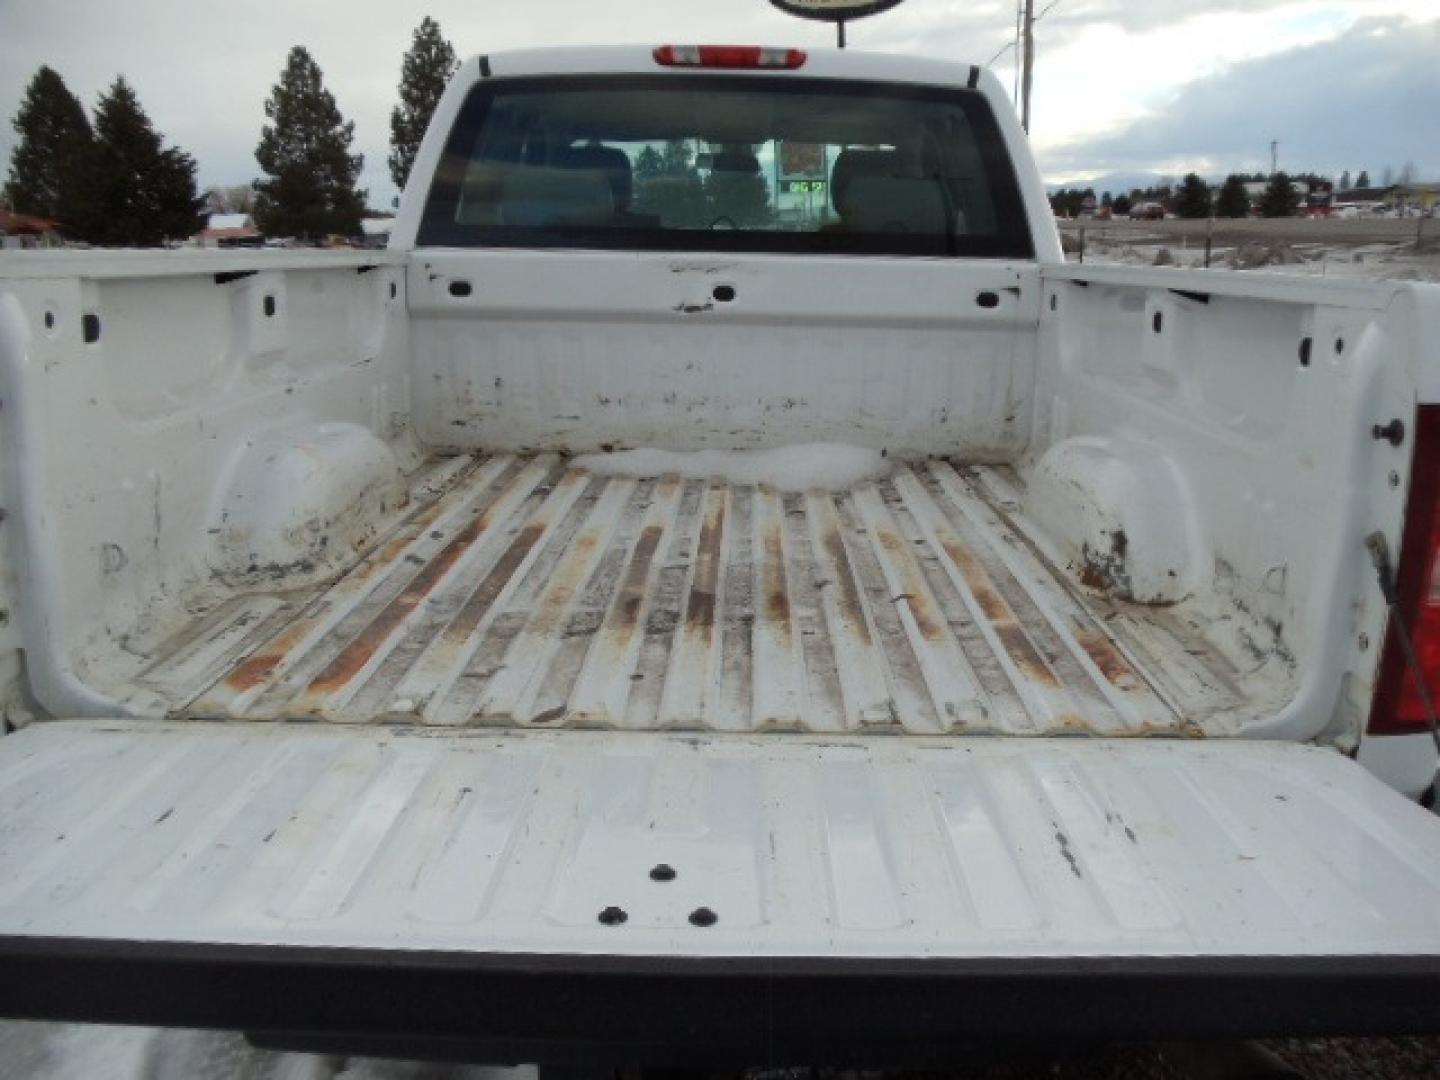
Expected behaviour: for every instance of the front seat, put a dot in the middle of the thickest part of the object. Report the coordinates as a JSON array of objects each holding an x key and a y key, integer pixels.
[{"x": 873, "y": 194}]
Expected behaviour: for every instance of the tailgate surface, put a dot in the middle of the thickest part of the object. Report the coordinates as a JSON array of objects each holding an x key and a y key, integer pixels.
[{"x": 483, "y": 842}]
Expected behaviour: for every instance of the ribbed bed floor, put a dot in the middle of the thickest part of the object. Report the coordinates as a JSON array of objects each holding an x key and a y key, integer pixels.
[{"x": 527, "y": 593}]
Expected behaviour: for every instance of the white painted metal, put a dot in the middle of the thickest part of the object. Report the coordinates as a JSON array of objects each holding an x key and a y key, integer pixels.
[
  {"x": 529, "y": 593},
  {"x": 1277, "y": 473},
  {"x": 122, "y": 453},
  {"x": 363, "y": 837},
  {"x": 579, "y": 351}
]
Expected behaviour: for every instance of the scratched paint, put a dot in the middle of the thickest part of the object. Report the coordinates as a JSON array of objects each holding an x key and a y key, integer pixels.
[{"x": 467, "y": 644}]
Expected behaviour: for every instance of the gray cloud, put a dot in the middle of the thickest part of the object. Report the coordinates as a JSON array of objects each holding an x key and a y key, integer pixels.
[
  {"x": 1146, "y": 15},
  {"x": 1365, "y": 99},
  {"x": 203, "y": 71}
]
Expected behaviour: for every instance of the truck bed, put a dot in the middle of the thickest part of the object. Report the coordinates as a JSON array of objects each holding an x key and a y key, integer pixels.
[{"x": 521, "y": 591}]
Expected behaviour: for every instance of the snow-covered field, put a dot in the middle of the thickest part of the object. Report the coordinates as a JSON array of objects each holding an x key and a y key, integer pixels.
[
  {"x": 1320, "y": 249},
  {"x": 97, "y": 1052}
]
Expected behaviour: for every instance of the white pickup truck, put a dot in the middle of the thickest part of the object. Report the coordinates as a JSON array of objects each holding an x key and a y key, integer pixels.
[{"x": 718, "y": 586}]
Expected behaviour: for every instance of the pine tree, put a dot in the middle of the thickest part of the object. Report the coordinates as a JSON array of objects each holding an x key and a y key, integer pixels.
[
  {"x": 139, "y": 192},
  {"x": 309, "y": 189},
  {"x": 50, "y": 161},
  {"x": 1280, "y": 199},
  {"x": 1194, "y": 197},
  {"x": 424, "y": 73},
  {"x": 1233, "y": 201},
  {"x": 668, "y": 184},
  {"x": 1363, "y": 180},
  {"x": 1345, "y": 180}
]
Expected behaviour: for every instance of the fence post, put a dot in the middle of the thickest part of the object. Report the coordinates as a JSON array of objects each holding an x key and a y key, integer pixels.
[{"x": 1209, "y": 238}]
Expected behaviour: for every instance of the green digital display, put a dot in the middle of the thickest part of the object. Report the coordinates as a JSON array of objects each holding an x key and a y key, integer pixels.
[{"x": 802, "y": 187}]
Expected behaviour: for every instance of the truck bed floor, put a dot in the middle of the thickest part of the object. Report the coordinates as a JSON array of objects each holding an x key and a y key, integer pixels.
[{"x": 527, "y": 593}]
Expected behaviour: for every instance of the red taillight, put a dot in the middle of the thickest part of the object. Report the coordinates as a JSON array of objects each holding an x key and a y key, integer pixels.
[
  {"x": 1398, "y": 708},
  {"x": 728, "y": 56}
]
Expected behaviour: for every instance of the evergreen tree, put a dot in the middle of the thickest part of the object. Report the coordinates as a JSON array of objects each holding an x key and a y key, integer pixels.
[
  {"x": 1345, "y": 180},
  {"x": 1122, "y": 205},
  {"x": 668, "y": 184},
  {"x": 308, "y": 191},
  {"x": 1363, "y": 180},
  {"x": 424, "y": 73},
  {"x": 1280, "y": 199},
  {"x": 51, "y": 160},
  {"x": 139, "y": 192},
  {"x": 1233, "y": 201},
  {"x": 235, "y": 199},
  {"x": 1194, "y": 198}
]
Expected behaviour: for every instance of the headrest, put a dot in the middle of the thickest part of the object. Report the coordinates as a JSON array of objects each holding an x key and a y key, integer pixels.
[
  {"x": 613, "y": 162},
  {"x": 896, "y": 204},
  {"x": 852, "y": 164}
]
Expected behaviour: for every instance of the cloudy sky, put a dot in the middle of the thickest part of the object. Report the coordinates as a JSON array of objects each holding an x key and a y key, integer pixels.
[{"x": 1123, "y": 87}]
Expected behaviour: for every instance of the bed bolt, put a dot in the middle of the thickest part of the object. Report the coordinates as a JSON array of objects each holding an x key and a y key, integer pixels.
[
  {"x": 703, "y": 916},
  {"x": 613, "y": 916},
  {"x": 662, "y": 872},
  {"x": 1393, "y": 432},
  {"x": 1394, "y": 479},
  {"x": 1364, "y": 642}
]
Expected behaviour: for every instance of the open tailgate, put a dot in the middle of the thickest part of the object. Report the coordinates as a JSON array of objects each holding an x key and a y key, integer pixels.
[{"x": 880, "y": 897}]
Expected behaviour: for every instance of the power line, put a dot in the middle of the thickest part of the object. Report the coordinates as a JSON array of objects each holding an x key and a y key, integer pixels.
[
  {"x": 1048, "y": 8},
  {"x": 1014, "y": 42},
  {"x": 1003, "y": 50}
]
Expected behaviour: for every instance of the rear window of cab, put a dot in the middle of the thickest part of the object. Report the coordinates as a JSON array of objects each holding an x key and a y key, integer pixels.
[{"x": 707, "y": 162}]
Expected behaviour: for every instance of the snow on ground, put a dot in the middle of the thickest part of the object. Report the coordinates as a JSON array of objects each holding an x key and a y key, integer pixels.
[
  {"x": 805, "y": 467},
  {"x": 100, "y": 1052},
  {"x": 1372, "y": 262}
]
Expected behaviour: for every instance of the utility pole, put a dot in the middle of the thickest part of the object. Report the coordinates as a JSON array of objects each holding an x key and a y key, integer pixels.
[
  {"x": 1019, "y": 25},
  {"x": 1274, "y": 156},
  {"x": 1028, "y": 37}
]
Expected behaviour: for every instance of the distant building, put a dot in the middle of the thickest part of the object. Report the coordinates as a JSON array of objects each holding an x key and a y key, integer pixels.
[
  {"x": 27, "y": 231},
  {"x": 1415, "y": 196},
  {"x": 230, "y": 230}
]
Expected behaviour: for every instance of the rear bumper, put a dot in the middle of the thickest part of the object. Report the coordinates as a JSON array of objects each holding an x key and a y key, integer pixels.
[{"x": 715, "y": 1010}]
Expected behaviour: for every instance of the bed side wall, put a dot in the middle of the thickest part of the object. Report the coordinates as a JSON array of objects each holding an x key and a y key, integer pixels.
[
  {"x": 142, "y": 416},
  {"x": 1253, "y": 401}
]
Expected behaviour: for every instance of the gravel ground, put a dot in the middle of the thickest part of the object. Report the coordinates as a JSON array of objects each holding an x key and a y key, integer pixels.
[
  {"x": 93, "y": 1052},
  {"x": 1361, "y": 1059}
]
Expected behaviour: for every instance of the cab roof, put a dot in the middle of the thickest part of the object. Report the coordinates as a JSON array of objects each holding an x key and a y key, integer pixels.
[{"x": 821, "y": 63}]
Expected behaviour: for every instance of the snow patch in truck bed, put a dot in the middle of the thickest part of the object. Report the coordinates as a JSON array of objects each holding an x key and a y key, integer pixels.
[{"x": 805, "y": 467}]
